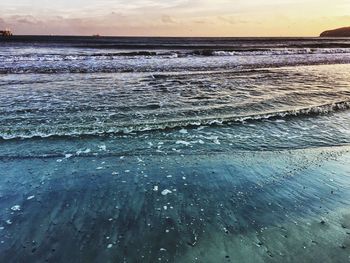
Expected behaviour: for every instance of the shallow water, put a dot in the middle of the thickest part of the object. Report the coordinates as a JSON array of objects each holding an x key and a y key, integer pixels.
[{"x": 236, "y": 155}]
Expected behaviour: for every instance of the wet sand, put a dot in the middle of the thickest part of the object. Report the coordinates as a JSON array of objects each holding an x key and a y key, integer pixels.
[{"x": 289, "y": 206}]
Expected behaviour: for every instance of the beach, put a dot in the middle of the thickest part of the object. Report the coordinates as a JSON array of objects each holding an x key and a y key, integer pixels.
[{"x": 157, "y": 150}]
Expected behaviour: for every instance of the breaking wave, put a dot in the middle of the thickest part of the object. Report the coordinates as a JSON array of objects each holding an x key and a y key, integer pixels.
[
  {"x": 170, "y": 54},
  {"x": 110, "y": 129}
]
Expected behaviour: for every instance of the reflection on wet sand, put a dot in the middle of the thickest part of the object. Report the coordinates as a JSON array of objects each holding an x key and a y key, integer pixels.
[{"x": 241, "y": 207}]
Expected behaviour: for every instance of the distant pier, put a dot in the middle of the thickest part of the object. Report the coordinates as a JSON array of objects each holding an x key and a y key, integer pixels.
[{"x": 5, "y": 33}]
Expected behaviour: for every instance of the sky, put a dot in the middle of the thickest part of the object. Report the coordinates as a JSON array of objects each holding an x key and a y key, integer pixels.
[{"x": 174, "y": 17}]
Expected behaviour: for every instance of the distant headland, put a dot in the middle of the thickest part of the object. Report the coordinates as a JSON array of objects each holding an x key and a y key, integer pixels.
[{"x": 339, "y": 32}]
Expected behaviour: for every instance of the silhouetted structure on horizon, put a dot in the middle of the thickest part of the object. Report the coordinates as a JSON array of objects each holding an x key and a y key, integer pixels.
[{"x": 5, "y": 33}]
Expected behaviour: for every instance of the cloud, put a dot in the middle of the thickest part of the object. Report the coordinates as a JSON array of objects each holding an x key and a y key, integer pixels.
[
  {"x": 199, "y": 22},
  {"x": 2, "y": 23},
  {"x": 168, "y": 19},
  {"x": 232, "y": 20},
  {"x": 25, "y": 19},
  {"x": 173, "y": 17}
]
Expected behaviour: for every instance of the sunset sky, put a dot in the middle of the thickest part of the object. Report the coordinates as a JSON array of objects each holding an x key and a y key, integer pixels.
[{"x": 174, "y": 17}]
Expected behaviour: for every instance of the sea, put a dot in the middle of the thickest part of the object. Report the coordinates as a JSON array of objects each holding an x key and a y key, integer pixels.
[{"x": 208, "y": 150}]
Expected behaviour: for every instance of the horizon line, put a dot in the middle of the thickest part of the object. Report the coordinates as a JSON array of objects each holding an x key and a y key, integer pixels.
[{"x": 159, "y": 36}]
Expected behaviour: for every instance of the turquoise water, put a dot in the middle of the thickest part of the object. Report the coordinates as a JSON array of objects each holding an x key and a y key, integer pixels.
[
  {"x": 232, "y": 156},
  {"x": 243, "y": 206}
]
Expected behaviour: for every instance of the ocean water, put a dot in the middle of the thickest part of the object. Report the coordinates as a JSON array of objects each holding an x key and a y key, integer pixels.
[{"x": 174, "y": 150}]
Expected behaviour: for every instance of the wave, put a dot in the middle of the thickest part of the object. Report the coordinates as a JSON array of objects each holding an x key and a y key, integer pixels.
[
  {"x": 283, "y": 51},
  {"x": 169, "y": 54},
  {"x": 82, "y": 57},
  {"x": 175, "y": 124},
  {"x": 157, "y": 68},
  {"x": 63, "y": 156}
]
